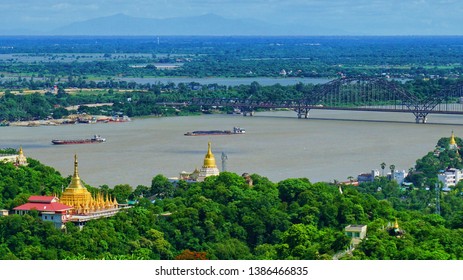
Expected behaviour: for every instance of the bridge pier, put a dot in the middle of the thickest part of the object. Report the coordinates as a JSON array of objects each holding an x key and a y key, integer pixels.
[
  {"x": 421, "y": 119},
  {"x": 302, "y": 113},
  {"x": 305, "y": 115}
]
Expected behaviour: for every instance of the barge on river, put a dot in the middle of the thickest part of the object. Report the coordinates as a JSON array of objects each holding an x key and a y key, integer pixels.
[
  {"x": 94, "y": 140},
  {"x": 236, "y": 130}
]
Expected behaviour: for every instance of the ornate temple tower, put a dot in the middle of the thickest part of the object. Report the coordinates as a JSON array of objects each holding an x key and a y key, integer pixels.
[
  {"x": 21, "y": 158},
  {"x": 77, "y": 196},
  {"x": 209, "y": 167},
  {"x": 453, "y": 144}
]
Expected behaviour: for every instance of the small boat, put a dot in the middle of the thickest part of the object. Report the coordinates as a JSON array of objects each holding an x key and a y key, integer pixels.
[
  {"x": 94, "y": 140},
  {"x": 236, "y": 130}
]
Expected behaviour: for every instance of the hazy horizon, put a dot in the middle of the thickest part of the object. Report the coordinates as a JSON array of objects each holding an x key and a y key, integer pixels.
[{"x": 315, "y": 17}]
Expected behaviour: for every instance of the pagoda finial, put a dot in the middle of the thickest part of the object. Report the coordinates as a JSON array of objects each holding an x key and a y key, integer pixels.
[
  {"x": 76, "y": 167},
  {"x": 396, "y": 224},
  {"x": 452, "y": 139},
  {"x": 21, "y": 153},
  {"x": 76, "y": 183}
]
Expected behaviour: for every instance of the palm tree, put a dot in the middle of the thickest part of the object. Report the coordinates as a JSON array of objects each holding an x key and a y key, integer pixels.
[
  {"x": 351, "y": 179},
  {"x": 383, "y": 165},
  {"x": 392, "y": 167}
]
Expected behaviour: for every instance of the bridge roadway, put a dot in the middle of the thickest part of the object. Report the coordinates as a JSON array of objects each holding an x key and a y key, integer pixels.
[{"x": 366, "y": 93}]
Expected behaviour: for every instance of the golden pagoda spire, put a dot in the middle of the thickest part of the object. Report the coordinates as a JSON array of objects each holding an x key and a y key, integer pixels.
[
  {"x": 21, "y": 153},
  {"x": 76, "y": 167},
  {"x": 396, "y": 224},
  {"x": 209, "y": 159},
  {"x": 76, "y": 183},
  {"x": 452, "y": 140}
]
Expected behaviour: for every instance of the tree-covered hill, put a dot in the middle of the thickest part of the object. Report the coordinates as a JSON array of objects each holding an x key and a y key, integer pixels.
[{"x": 226, "y": 218}]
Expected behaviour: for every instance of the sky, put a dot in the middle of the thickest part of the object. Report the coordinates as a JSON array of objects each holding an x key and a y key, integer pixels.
[{"x": 352, "y": 17}]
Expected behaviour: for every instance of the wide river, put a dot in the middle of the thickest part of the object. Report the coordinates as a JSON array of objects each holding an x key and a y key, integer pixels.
[{"x": 330, "y": 145}]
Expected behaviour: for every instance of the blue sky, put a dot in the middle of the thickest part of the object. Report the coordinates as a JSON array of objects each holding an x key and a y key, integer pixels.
[{"x": 354, "y": 17}]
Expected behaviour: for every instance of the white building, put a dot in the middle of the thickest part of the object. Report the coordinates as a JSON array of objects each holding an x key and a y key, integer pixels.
[
  {"x": 399, "y": 176},
  {"x": 449, "y": 178},
  {"x": 356, "y": 232}
]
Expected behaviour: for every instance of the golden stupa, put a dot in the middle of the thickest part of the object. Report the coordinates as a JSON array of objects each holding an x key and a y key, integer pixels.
[
  {"x": 77, "y": 196},
  {"x": 452, "y": 139},
  {"x": 21, "y": 158},
  {"x": 209, "y": 159},
  {"x": 452, "y": 143},
  {"x": 209, "y": 167}
]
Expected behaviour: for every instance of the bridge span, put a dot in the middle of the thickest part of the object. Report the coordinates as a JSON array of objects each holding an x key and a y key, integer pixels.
[{"x": 355, "y": 94}]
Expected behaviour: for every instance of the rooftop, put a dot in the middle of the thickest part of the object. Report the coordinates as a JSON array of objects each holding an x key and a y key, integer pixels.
[{"x": 42, "y": 207}]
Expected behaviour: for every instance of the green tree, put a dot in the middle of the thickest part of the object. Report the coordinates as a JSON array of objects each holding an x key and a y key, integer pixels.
[
  {"x": 161, "y": 187},
  {"x": 122, "y": 192}
]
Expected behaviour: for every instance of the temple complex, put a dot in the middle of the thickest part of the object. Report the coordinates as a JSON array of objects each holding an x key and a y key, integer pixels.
[
  {"x": 80, "y": 199},
  {"x": 76, "y": 204},
  {"x": 209, "y": 168},
  {"x": 19, "y": 160}
]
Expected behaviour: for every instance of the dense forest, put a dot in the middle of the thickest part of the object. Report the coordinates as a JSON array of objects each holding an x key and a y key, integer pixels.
[{"x": 227, "y": 218}]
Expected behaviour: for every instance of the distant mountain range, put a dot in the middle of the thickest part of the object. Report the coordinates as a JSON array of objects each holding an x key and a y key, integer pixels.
[{"x": 209, "y": 24}]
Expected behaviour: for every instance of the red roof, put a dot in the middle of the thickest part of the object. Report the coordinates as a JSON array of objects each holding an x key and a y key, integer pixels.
[
  {"x": 42, "y": 207},
  {"x": 42, "y": 199}
]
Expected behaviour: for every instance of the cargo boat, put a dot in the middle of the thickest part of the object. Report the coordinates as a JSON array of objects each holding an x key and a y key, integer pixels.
[
  {"x": 236, "y": 130},
  {"x": 94, "y": 140}
]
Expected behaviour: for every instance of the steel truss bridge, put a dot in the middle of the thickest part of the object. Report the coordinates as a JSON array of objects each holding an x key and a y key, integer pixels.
[{"x": 355, "y": 94}]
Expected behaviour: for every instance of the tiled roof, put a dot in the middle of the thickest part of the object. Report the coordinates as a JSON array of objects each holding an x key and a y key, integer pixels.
[
  {"x": 42, "y": 199},
  {"x": 41, "y": 207}
]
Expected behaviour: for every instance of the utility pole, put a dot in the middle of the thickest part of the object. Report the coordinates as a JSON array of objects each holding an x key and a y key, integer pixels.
[
  {"x": 437, "y": 199},
  {"x": 224, "y": 162}
]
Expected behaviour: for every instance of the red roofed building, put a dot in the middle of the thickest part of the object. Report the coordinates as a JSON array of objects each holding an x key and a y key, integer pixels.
[
  {"x": 78, "y": 205},
  {"x": 48, "y": 207}
]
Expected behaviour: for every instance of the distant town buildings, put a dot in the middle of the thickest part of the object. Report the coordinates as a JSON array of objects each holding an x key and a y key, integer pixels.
[
  {"x": 399, "y": 176},
  {"x": 368, "y": 177},
  {"x": 449, "y": 178}
]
